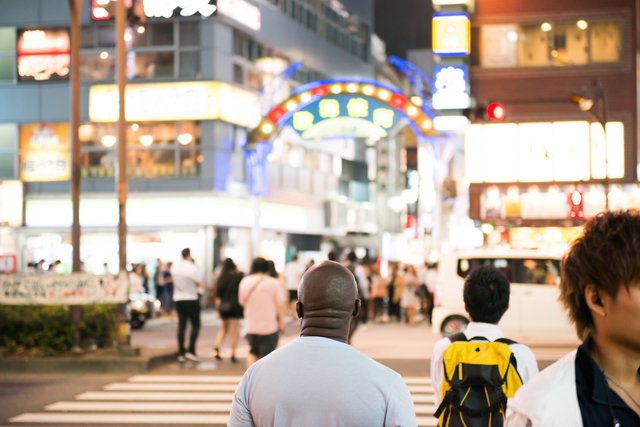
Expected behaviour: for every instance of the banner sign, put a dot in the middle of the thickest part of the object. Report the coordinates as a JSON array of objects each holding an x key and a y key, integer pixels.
[{"x": 73, "y": 289}]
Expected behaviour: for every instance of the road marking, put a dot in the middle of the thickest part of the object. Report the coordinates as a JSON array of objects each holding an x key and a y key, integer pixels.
[
  {"x": 233, "y": 379},
  {"x": 423, "y": 398},
  {"x": 140, "y": 406},
  {"x": 177, "y": 396},
  {"x": 111, "y": 418},
  {"x": 170, "y": 387},
  {"x": 427, "y": 421},
  {"x": 425, "y": 409}
]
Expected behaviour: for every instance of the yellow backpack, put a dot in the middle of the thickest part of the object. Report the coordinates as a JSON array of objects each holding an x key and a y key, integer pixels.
[{"x": 478, "y": 379}]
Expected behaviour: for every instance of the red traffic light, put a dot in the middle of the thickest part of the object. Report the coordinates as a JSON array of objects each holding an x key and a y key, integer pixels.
[{"x": 496, "y": 111}]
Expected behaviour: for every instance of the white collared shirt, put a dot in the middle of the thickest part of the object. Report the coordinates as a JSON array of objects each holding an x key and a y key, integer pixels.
[{"x": 527, "y": 365}]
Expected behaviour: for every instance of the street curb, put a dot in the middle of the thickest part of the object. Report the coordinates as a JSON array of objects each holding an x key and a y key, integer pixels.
[{"x": 93, "y": 365}]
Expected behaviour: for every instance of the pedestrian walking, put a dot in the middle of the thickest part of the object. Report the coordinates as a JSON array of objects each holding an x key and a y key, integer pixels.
[
  {"x": 394, "y": 289},
  {"x": 169, "y": 304},
  {"x": 362, "y": 283},
  {"x": 409, "y": 300},
  {"x": 157, "y": 281},
  {"x": 378, "y": 294},
  {"x": 429, "y": 278},
  {"x": 264, "y": 310},
  {"x": 318, "y": 380},
  {"x": 136, "y": 279},
  {"x": 187, "y": 287},
  {"x": 229, "y": 308},
  {"x": 502, "y": 365},
  {"x": 599, "y": 383},
  {"x": 293, "y": 272}
]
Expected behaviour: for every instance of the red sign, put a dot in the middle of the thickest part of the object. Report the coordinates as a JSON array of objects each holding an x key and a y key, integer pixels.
[
  {"x": 8, "y": 264},
  {"x": 105, "y": 9},
  {"x": 43, "y": 54}
]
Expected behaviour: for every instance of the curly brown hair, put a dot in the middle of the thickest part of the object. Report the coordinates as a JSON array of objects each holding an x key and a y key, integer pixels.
[{"x": 605, "y": 255}]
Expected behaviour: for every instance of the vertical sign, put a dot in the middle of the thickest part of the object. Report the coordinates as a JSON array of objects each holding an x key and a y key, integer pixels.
[
  {"x": 451, "y": 34},
  {"x": 44, "y": 152}
]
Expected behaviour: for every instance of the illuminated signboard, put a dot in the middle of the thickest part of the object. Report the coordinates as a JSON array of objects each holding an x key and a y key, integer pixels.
[
  {"x": 344, "y": 115},
  {"x": 11, "y": 198},
  {"x": 169, "y": 8},
  {"x": 43, "y": 54},
  {"x": 44, "y": 152},
  {"x": 176, "y": 101},
  {"x": 451, "y": 34},
  {"x": 544, "y": 152},
  {"x": 242, "y": 12},
  {"x": 106, "y": 9},
  {"x": 451, "y": 83}
]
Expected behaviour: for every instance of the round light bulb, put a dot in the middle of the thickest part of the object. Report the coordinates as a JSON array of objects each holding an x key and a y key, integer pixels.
[
  {"x": 185, "y": 138},
  {"x": 368, "y": 90},
  {"x": 104, "y": 55},
  {"x": 305, "y": 97},
  {"x": 146, "y": 140},
  {"x": 383, "y": 94},
  {"x": 546, "y": 27},
  {"x": 336, "y": 89},
  {"x": 352, "y": 88},
  {"x": 267, "y": 128},
  {"x": 108, "y": 140},
  {"x": 582, "y": 24}
]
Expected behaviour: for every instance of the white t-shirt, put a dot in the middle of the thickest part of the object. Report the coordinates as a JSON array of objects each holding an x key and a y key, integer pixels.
[
  {"x": 185, "y": 274},
  {"x": 315, "y": 381},
  {"x": 261, "y": 309},
  {"x": 527, "y": 365},
  {"x": 292, "y": 274},
  {"x": 136, "y": 283}
]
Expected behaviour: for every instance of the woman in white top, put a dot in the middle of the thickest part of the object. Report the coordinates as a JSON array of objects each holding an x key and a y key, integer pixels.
[{"x": 409, "y": 300}]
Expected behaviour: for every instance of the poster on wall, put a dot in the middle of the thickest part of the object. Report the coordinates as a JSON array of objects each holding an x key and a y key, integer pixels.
[
  {"x": 44, "y": 152},
  {"x": 43, "y": 54},
  {"x": 73, "y": 289}
]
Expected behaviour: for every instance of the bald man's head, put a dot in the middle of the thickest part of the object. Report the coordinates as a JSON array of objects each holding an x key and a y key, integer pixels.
[{"x": 328, "y": 285}]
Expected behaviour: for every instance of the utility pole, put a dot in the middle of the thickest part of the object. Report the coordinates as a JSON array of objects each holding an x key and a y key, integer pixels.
[
  {"x": 122, "y": 186},
  {"x": 75, "y": 6}
]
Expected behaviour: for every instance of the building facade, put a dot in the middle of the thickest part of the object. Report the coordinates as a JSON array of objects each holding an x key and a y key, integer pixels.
[
  {"x": 194, "y": 90},
  {"x": 551, "y": 65}
]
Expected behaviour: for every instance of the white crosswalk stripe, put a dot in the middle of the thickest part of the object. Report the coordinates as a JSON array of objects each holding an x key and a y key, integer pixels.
[{"x": 177, "y": 399}]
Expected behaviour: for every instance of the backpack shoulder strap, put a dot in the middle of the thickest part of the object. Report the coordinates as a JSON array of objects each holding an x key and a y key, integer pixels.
[
  {"x": 460, "y": 336},
  {"x": 506, "y": 341}
]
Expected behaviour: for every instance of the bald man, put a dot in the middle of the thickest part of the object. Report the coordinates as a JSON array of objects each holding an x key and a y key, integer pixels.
[{"x": 318, "y": 379}]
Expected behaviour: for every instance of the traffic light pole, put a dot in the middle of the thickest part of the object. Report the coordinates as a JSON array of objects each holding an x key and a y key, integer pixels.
[
  {"x": 75, "y": 6},
  {"x": 123, "y": 331}
]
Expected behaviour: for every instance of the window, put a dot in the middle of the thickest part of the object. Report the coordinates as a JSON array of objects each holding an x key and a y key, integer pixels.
[
  {"x": 155, "y": 149},
  {"x": 8, "y": 143},
  {"x": 546, "y": 44},
  {"x": 159, "y": 50},
  {"x": 517, "y": 270},
  {"x": 238, "y": 74},
  {"x": 7, "y": 54}
]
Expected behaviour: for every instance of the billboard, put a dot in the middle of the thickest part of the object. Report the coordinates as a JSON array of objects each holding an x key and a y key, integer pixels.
[
  {"x": 43, "y": 54},
  {"x": 451, "y": 34},
  {"x": 44, "y": 152}
]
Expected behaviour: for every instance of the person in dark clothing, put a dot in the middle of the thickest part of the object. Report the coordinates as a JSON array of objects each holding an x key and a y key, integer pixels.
[
  {"x": 229, "y": 309},
  {"x": 395, "y": 292},
  {"x": 167, "y": 290}
]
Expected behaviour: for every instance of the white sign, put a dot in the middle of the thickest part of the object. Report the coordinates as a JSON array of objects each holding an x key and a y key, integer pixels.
[
  {"x": 11, "y": 200},
  {"x": 241, "y": 11},
  {"x": 53, "y": 289},
  {"x": 451, "y": 87},
  {"x": 165, "y": 8}
]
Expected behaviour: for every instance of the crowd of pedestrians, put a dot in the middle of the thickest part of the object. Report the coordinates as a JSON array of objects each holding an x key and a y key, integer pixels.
[{"x": 479, "y": 376}]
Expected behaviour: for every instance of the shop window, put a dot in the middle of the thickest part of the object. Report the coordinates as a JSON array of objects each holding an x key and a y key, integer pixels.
[
  {"x": 162, "y": 34},
  {"x": 190, "y": 33},
  {"x": 190, "y": 65},
  {"x": 7, "y": 166},
  {"x": 570, "y": 45},
  {"x": 606, "y": 42},
  {"x": 190, "y": 161},
  {"x": 97, "y": 66},
  {"x": 189, "y": 133},
  {"x": 87, "y": 40},
  {"x": 140, "y": 38},
  {"x": 106, "y": 36},
  {"x": 98, "y": 164},
  {"x": 8, "y": 143},
  {"x": 150, "y": 164},
  {"x": 152, "y": 134},
  {"x": 150, "y": 65},
  {"x": 238, "y": 74}
]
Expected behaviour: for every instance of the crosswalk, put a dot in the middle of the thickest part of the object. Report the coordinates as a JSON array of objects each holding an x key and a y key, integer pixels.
[{"x": 178, "y": 400}]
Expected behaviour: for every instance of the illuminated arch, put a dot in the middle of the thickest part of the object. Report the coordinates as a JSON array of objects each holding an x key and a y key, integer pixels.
[{"x": 344, "y": 108}]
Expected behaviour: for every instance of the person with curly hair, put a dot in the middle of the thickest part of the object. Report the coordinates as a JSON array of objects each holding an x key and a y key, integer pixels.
[{"x": 599, "y": 383}]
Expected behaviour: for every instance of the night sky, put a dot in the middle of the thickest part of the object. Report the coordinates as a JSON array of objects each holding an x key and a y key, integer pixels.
[{"x": 404, "y": 24}]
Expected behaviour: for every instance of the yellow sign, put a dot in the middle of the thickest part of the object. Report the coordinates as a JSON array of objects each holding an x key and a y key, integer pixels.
[
  {"x": 44, "y": 152},
  {"x": 176, "y": 101},
  {"x": 451, "y": 34}
]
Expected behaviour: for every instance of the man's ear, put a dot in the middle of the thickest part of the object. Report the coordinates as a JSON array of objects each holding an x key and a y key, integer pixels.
[
  {"x": 299, "y": 309},
  {"x": 593, "y": 297},
  {"x": 357, "y": 307}
]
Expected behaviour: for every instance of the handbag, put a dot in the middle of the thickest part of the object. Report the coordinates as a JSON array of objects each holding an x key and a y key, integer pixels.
[{"x": 225, "y": 307}]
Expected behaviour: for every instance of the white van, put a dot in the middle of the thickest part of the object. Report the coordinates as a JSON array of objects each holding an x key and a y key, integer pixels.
[{"x": 534, "y": 310}]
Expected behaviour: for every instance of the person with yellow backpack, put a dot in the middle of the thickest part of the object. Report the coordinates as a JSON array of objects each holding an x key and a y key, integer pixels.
[{"x": 474, "y": 372}]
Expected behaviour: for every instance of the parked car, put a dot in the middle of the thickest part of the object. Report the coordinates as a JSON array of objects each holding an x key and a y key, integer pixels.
[
  {"x": 143, "y": 306},
  {"x": 534, "y": 311}
]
